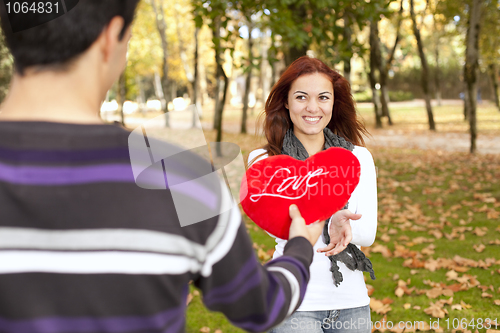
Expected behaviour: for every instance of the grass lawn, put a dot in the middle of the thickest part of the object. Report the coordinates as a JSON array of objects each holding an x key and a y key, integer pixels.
[{"x": 448, "y": 118}]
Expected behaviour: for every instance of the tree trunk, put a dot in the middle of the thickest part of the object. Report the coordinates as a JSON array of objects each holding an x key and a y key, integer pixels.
[
  {"x": 272, "y": 62},
  {"x": 264, "y": 70},
  {"x": 196, "y": 78},
  {"x": 374, "y": 65},
  {"x": 385, "y": 66},
  {"x": 492, "y": 68},
  {"x": 425, "y": 69},
  {"x": 384, "y": 99},
  {"x": 173, "y": 90},
  {"x": 466, "y": 100},
  {"x": 472, "y": 66},
  {"x": 347, "y": 33},
  {"x": 122, "y": 93},
  {"x": 219, "y": 103},
  {"x": 296, "y": 52},
  {"x": 182, "y": 51},
  {"x": 141, "y": 96},
  {"x": 248, "y": 81},
  {"x": 378, "y": 61},
  {"x": 437, "y": 77},
  {"x": 162, "y": 27},
  {"x": 216, "y": 37},
  {"x": 203, "y": 84},
  {"x": 384, "y": 95}
]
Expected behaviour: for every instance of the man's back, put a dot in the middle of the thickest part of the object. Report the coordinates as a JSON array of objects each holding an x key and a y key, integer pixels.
[
  {"x": 73, "y": 217},
  {"x": 84, "y": 249}
]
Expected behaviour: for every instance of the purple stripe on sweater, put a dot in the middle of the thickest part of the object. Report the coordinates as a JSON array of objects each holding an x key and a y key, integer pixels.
[
  {"x": 154, "y": 323},
  {"x": 31, "y": 175},
  {"x": 285, "y": 258},
  {"x": 52, "y": 156},
  {"x": 249, "y": 283},
  {"x": 235, "y": 284},
  {"x": 109, "y": 173},
  {"x": 302, "y": 269},
  {"x": 276, "y": 308}
]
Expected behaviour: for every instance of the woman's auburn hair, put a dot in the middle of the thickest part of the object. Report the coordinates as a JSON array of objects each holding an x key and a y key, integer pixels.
[{"x": 344, "y": 122}]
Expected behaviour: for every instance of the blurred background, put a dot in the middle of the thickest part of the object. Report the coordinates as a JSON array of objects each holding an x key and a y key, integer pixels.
[
  {"x": 424, "y": 74},
  {"x": 224, "y": 56}
]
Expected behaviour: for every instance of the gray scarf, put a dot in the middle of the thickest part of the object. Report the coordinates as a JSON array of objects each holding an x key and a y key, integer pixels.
[{"x": 352, "y": 256}]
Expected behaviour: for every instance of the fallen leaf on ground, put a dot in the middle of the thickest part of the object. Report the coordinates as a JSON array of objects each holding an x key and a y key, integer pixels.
[
  {"x": 447, "y": 292},
  {"x": 205, "y": 329},
  {"x": 429, "y": 250},
  {"x": 451, "y": 275},
  {"x": 436, "y": 233},
  {"x": 479, "y": 248},
  {"x": 383, "y": 250},
  {"x": 392, "y": 231},
  {"x": 387, "y": 300},
  {"x": 497, "y": 302},
  {"x": 435, "y": 310},
  {"x": 379, "y": 307},
  {"x": 465, "y": 305},
  {"x": 189, "y": 299},
  {"x": 406, "y": 306},
  {"x": 434, "y": 292},
  {"x": 456, "y": 307},
  {"x": 370, "y": 289},
  {"x": 486, "y": 295},
  {"x": 480, "y": 231},
  {"x": 263, "y": 255},
  {"x": 385, "y": 238}
]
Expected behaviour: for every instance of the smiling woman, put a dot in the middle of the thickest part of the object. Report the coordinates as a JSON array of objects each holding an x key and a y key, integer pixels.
[{"x": 311, "y": 109}]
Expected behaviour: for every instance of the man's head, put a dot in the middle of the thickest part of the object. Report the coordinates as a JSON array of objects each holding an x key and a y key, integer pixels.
[{"x": 56, "y": 44}]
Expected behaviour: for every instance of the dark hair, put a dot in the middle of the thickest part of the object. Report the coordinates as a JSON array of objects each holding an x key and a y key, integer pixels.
[
  {"x": 277, "y": 120},
  {"x": 56, "y": 43}
]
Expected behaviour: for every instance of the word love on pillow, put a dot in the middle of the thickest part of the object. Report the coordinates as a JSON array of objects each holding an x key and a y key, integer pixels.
[{"x": 319, "y": 186}]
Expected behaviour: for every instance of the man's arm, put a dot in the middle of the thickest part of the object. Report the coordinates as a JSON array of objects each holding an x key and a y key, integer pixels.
[{"x": 252, "y": 296}]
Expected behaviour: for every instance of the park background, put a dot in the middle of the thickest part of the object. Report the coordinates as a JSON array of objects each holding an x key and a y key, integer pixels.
[{"x": 424, "y": 74}]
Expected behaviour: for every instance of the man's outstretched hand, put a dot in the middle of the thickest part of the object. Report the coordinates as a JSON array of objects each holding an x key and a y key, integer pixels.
[
  {"x": 340, "y": 232},
  {"x": 299, "y": 228}
]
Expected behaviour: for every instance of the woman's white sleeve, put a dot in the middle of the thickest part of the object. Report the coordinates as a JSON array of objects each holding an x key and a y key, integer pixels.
[
  {"x": 364, "y": 230},
  {"x": 256, "y": 153}
]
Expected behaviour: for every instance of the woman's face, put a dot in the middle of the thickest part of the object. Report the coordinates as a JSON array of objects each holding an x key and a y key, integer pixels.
[{"x": 310, "y": 102}]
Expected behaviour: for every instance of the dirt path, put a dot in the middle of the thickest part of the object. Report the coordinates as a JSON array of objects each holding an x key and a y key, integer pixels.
[{"x": 451, "y": 142}]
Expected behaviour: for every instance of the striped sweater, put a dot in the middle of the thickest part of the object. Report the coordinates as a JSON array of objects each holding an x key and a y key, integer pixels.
[{"x": 84, "y": 249}]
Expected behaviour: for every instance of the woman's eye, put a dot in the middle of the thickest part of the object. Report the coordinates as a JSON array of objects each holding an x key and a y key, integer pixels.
[
  {"x": 301, "y": 97},
  {"x": 324, "y": 98}
]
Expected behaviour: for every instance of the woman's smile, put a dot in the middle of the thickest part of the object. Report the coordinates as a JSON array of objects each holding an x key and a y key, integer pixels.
[{"x": 312, "y": 120}]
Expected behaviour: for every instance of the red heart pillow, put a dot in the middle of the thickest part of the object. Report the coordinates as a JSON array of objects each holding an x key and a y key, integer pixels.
[{"x": 319, "y": 186}]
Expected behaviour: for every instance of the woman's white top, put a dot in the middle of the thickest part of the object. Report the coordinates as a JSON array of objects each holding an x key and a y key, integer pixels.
[{"x": 321, "y": 293}]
